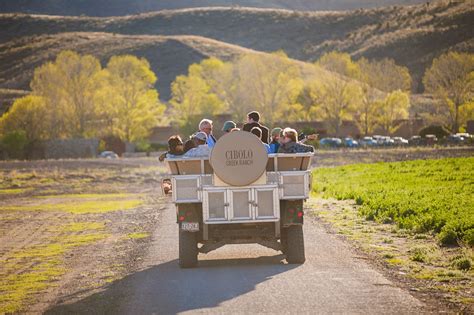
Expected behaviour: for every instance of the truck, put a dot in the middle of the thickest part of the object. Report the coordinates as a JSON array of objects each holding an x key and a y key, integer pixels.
[{"x": 240, "y": 195}]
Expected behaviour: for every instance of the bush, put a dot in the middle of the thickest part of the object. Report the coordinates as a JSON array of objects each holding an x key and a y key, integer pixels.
[
  {"x": 14, "y": 143},
  {"x": 439, "y": 131},
  {"x": 468, "y": 237},
  {"x": 447, "y": 236},
  {"x": 142, "y": 146},
  {"x": 462, "y": 263},
  {"x": 419, "y": 254}
]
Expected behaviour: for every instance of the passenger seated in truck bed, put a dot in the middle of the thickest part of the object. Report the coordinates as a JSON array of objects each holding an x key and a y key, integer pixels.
[
  {"x": 202, "y": 149},
  {"x": 290, "y": 144},
  {"x": 175, "y": 148},
  {"x": 258, "y": 132}
]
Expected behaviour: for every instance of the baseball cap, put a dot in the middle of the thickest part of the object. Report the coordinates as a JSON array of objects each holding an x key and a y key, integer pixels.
[
  {"x": 228, "y": 126},
  {"x": 276, "y": 131},
  {"x": 201, "y": 136}
]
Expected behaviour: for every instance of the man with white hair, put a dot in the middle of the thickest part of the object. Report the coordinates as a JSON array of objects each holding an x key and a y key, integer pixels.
[{"x": 206, "y": 126}]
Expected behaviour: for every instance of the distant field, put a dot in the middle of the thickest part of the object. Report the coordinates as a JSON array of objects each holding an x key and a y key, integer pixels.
[{"x": 420, "y": 196}]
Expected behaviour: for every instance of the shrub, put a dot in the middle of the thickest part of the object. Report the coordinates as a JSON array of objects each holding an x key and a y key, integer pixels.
[
  {"x": 15, "y": 143},
  {"x": 419, "y": 254},
  {"x": 468, "y": 237},
  {"x": 439, "y": 131},
  {"x": 447, "y": 236},
  {"x": 462, "y": 263}
]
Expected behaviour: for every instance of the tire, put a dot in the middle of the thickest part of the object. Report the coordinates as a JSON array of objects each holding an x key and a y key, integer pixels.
[
  {"x": 295, "y": 239},
  {"x": 188, "y": 250}
]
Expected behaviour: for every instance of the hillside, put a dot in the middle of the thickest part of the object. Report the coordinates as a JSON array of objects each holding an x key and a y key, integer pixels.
[
  {"x": 18, "y": 58},
  {"x": 412, "y": 35},
  {"x": 169, "y": 56},
  {"x": 125, "y": 7}
]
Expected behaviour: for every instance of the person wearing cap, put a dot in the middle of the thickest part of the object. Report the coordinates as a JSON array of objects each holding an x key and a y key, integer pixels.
[
  {"x": 202, "y": 149},
  {"x": 228, "y": 126},
  {"x": 258, "y": 132},
  {"x": 253, "y": 119},
  {"x": 275, "y": 143}
]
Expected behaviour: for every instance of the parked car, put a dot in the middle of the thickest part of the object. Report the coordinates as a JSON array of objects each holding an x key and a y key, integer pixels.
[
  {"x": 368, "y": 142},
  {"x": 455, "y": 139},
  {"x": 416, "y": 140},
  {"x": 400, "y": 141},
  {"x": 108, "y": 155},
  {"x": 387, "y": 141},
  {"x": 330, "y": 142},
  {"x": 431, "y": 139},
  {"x": 350, "y": 143}
]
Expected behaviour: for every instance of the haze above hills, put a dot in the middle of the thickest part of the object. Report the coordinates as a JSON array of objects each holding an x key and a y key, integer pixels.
[{"x": 124, "y": 7}]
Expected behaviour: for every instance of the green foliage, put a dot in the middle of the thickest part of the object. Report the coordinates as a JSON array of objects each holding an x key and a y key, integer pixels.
[
  {"x": 28, "y": 114},
  {"x": 142, "y": 146},
  {"x": 391, "y": 109},
  {"x": 462, "y": 263},
  {"x": 419, "y": 254},
  {"x": 15, "y": 143},
  {"x": 451, "y": 79},
  {"x": 74, "y": 97},
  {"x": 421, "y": 196},
  {"x": 127, "y": 99},
  {"x": 267, "y": 83}
]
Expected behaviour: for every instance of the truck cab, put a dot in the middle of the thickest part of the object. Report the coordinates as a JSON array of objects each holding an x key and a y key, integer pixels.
[{"x": 240, "y": 195}]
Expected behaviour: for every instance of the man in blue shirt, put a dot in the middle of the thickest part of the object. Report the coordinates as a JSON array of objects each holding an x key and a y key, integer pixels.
[{"x": 206, "y": 126}]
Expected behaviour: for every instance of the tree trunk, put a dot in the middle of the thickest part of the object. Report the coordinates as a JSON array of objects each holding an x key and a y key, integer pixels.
[{"x": 456, "y": 118}]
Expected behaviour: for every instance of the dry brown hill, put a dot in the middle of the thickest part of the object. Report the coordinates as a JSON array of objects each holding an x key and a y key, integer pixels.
[
  {"x": 169, "y": 56},
  {"x": 412, "y": 35},
  {"x": 123, "y": 7}
]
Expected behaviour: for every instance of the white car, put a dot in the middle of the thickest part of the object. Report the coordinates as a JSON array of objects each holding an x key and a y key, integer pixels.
[
  {"x": 108, "y": 155},
  {"x": 400, "y": 141}
]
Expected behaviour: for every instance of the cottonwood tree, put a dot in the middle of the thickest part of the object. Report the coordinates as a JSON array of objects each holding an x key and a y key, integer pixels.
[
  {"x": 30, "y": 115},
  {"x": 191, "y": 99},
  {"x": 68, "y": 85},
  {"x": 338, "y": 101},
  {"x": 384, "y": 75},
  {"x": 341, "y": 63},
  {"x": 267, "y": 83},
  {"x": 134, "y": 107},
  {"x": 451, "y": 80},
  {"x": 392, "y": 109}
]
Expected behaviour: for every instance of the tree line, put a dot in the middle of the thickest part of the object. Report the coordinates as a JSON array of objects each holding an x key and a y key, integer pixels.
[
  {"x": 372, "y": 93},
  {"x": 75, "y": 97}
]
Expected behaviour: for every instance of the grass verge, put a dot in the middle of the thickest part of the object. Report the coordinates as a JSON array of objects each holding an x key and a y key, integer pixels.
[{"x": 422, "y": 196}]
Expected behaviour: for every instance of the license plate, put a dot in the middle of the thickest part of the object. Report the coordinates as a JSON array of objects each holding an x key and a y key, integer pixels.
[{"x": 190, "y": 226}]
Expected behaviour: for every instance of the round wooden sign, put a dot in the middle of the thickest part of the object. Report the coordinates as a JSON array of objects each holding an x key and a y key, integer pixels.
[{"x": 239, "y": 158}]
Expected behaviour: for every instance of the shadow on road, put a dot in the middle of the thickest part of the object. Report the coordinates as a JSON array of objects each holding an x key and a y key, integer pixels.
[{"x": 167, "y": 289}]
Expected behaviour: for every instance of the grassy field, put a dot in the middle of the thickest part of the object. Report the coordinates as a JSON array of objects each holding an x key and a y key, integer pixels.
[
  {"x": 423, "y": 196},
  {"x": 69, "y": 226}
]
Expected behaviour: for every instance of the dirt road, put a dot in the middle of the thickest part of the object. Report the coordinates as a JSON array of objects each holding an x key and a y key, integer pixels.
[{"x": 250, "y": 279}]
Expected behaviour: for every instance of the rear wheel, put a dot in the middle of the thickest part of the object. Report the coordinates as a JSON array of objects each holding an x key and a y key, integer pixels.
[
  {"x": 295, "y": 242},
  {"x": 188, "y": 250}
]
